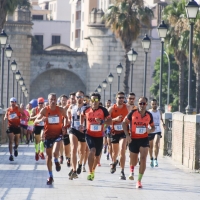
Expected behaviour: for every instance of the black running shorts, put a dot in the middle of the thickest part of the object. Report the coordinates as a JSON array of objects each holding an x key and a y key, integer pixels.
[
  {"x": 116, "y": 138},
  {"x": 80, "y": 136},
  {"x": 66, "y": 140},
  {"x": 48, "y": 143},
  {"x": 135, "y": 144},
  {"x": 37, "y": 129},
  {"x": 151, "y": 136},
  {"x": 12, "y": 129}
]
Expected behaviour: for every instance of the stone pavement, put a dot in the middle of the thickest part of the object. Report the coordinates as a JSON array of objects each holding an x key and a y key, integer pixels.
[{"x": 26, "y": 179}]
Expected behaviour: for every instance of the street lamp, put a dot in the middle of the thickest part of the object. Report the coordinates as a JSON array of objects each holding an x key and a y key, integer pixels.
[
  {"x": 17, "y": 76},
  {"x": 132, "y": 57},
  {"x": 110, "y": 80},
  {"x": 192, "y": 9},
  {"x": 3, "y": 40},
  {"x": 21, "y": 82},
  {"x": 119, "y": 71},
  {"x": 8, "y": 55},
  {"x": 146, "y": 42},
  {"x": 162, "y": 32},
  {"x": 104, "y": 85},
  {"x": 13, "y": 66},
  {"x": 99, "y": 89}
]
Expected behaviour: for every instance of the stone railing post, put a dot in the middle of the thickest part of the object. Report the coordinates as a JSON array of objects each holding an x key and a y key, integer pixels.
[{"x": 3, "y": 126}]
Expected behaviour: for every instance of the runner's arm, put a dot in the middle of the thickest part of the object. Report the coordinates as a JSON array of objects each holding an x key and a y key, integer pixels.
[
  {"x": 6, "y": 115},
  {"x": 161, "y": 119},
  {"x": 65, "y": 117},
  {"x": 33, "y": 114},
  {"x": 22, "y": 112},
  {"x": 41, "y": 116}
]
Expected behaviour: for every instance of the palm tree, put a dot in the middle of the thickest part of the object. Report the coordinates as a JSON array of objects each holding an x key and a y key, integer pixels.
[
  {"x": 9, "y": 6},
  {"x": 126, "y": 18}
]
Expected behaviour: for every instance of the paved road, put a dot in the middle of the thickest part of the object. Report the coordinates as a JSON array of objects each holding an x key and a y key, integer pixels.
[{"x": 26, "y": 179}]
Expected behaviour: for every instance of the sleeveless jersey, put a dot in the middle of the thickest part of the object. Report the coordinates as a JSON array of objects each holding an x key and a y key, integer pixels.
[
  {"x": 53, "y": 125},
  {"x": 37, "y": 112},
  {"x": 30, "y": 122},
  {"x": 24, "y": 120},
  {"x": 13, "y": 116},
  {"x": 156, "y": 119},
  {"x": 117, "y": 126}
]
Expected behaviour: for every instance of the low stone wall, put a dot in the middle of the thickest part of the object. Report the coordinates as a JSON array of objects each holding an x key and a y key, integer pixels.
[{"x": 3, "y": 127}]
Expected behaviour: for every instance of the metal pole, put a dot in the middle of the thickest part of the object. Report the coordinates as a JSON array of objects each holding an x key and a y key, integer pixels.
[
  {"x": 131, "y": 76},
  {"x": 13, "y": 86},
  {"x": 118, "y": 81},
  {"x": 21, "y": 95},
  {"x": 145, "y": 75},
  {"x": 189, "y": 107},
  {"x": 161, "y": 69},
  {"x": 7, "y": 94},
  {"x": 104, "y": 96},
  {"x": 110, "y": 91},
  {"x": 17, "y": 91},
  {"x": 2, "y": 74}
]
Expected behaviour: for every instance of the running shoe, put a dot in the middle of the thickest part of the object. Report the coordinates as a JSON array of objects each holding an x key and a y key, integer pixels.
[
  {"x": 138, "y": 184},
  {"x": 42, "y": 156},
  {"x": 113, "y": 168},
  {"x": 11, "y": 158},
  {"x": 107, "y": 156},
  {"x": 155, "y": 163},
  {"x": 79, "y": 168},
  {"x": 122, "y": 176},
  {"x": 58, "y": 167},
  {"x": 70, "y": 173},
  {"x": 61, "y": 159},
  {"x": 151, "y": 163},
  {"x": 36, "y": 156},
  {"x": 105, "y": 150},
  {"x": 83, "y": 169},
  {"x": 131, "y": 176},
  {"x": 99, "y": 164},
  {"x": 68, "y": 162},
  {"x": 73, "y": 176},
  {"x": 15, "y": 152},
  {"x": 90, "y": 177},
  {"x": 50, "y": 181}
]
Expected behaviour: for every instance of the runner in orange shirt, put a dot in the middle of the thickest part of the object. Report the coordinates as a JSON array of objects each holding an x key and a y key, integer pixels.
[
  {"x": 13, "y": 115},
  {"x": 53, "y": 130},
  {"x": 96, "y": 117},
  {"x": 138, "y": 141}
]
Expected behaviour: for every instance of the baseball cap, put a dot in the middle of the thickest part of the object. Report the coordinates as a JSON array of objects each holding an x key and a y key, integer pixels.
[
  {"x": 13, "y": 99},
  {"x": 40, "y": 100}
]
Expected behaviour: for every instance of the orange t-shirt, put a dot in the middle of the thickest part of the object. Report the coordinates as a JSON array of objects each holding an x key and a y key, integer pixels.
[
  {"x": 139, "y": 124},
  {"x": 117, "y": 126},
  {"x": 92, "y": 127},
  {"x": 53, "y": 125},
  {"x": 13, "y": 116}
]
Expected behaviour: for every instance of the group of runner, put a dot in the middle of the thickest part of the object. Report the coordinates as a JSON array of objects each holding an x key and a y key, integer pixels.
[{"x": 81, "y": 128}]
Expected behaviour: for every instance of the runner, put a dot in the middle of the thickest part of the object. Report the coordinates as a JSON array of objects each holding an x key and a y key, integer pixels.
[
  {"x": 131, "y": 101},
  {"x": 118, "y": 138},
  {"x": 86, "y": 100},
  {"x": 108, "y": 104},
  {"x": 30, "y": 122},
  {"x": 96, "y": 117},
  {"x": 13, "y": 114},
  {"x": 37, "y": 130},
  {"x": 77, "y": 138},
  {"x": 157, "y": 118},
  {"x": 53, "y": 130},
  {"x": 139, "y": 121}
]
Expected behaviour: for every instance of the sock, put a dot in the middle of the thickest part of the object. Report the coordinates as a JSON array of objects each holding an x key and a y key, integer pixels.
[
  {"x": 140, "y": 177},
  {"x": 50, "y": 173},
  {"x": 67, "y": 158},
  {"x": 122, "y": 170},
  {"x": 36, "y": 148},
  {"x": 132, "y": 169},
  {"x": 41, "y": 147},
  {"x": 55, "y": 159}
]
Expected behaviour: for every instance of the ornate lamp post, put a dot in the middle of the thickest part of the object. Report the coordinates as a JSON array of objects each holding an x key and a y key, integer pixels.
[
  {"x": 110, "y": 80},
  {"x": 17, "y": 76},
  {"x": 21, "y": 82},
  {"x": 119, "y": 71},
  {"x": 146, "y": 42},
  {"x": 192, "y": 9},
  {"x": 104, "y": 85},
  {"x": 99, "y": 89},
  {"x": 13, "y": 68},
  {"x": 132, "y": 57},
  {"x": 162, "y": 32}
]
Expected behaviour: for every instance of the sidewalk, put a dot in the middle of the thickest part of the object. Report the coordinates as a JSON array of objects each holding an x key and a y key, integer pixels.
[{"x": 25, "y": 179}]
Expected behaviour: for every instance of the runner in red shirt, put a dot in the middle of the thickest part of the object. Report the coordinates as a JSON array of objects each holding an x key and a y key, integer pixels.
[
  {"x": 13, "y": 115},
  {"x": 53, "y": 129},
  {"x": 138, "y": 141},
  {"x": 95, "y": 117}
]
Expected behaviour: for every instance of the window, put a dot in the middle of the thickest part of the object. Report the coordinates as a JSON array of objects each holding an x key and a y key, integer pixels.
[
  {"x": 77, "y": 33},
  {"x": 55, "y": 39},
  {"x": 78, "y": 15},
  {"x": 37, "y": 17},
  {"x": 82, "y": 16},
  {"x": 39, "y": 39}
]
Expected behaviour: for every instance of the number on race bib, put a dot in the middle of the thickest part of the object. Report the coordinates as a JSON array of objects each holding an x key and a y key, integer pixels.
[
  {"x": 118, "y": 127},
  {"x": 140, "y": 130},
  {"x": 95, "y": 127},
  {"x": 13, "y": 115},
  {"x": 53, "y": 120}
]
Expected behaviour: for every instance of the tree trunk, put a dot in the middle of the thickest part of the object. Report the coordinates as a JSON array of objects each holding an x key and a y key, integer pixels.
[
  {"x": 2, "y": 14},
  {"x": 198, "y": 89},
  {"x": 181, "y": 87},
  {"x": 126, "y": 75}
]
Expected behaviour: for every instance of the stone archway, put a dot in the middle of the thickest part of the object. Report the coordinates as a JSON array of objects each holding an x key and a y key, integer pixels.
[{"x": 59, "y": 81}]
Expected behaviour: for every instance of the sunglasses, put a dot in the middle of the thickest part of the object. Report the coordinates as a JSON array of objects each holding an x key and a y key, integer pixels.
[
  {"x": 142, "y": 103},
  {"x": 79, "y": 97},
  {"x": 93, "y": 100},
  {"x": 13, "y": 102},
  {"x": 40, "y": 103},
  {"x": 120, "y": 97},
  {"x": 131, "y": 98}
]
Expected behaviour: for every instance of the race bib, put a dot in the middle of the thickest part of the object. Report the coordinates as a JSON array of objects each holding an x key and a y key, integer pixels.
[
  {"x": 156, "y": 128},
  {"x": 41, "y": 124},
  {"x": 23, "y": 122},
  {"x": 76, "y": 124},
  {"x": 53, "y": 120},
  {"x": 95, "y": 127},
  {"x": 12, "y": 116},
  {"x": 140, "y": 130},
  {"x": 118, "y": 127}
]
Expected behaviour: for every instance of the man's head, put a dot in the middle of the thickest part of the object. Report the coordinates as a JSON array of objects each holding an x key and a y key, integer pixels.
[
  {"x": 29, "y": 106},
  {"x": 120, "y": 96},
  {"x": 108, "y": 103},
  {"x": 22, "y": 106},
  {"x": 63, "y": 100},
  {"x": 52, "y": 99},
  {"x": 86, "y": 99},
  {"x": 131, "y": 98},
  {"x": 94, "y": 100},
  {"x": 79, "y": 97},
  {"x": 72, "y": 98},
  {"x": 142, "y": 103},
  {"x": 154, "y": 104},
  {"x": 13, "y": 101},
  {"x": 40, "y": 102}
]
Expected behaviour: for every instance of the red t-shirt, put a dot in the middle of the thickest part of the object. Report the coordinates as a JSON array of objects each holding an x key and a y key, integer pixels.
[
  {"x": 13, "y": 116},
  {"x": 139, "y": 124}
]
